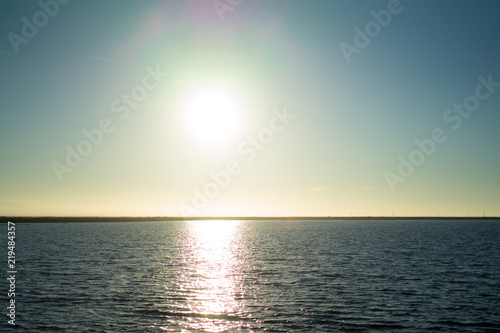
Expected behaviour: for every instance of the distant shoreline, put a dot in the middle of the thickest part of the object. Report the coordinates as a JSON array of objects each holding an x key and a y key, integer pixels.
[{"x": 82, "y": 219}]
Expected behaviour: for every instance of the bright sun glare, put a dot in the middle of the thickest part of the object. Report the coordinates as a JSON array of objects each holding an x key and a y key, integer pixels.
[{"x": 212, "y": 116}]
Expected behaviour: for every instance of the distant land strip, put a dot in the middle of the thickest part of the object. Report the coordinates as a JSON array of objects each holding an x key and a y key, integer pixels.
[{"x": 82, "y": 219}]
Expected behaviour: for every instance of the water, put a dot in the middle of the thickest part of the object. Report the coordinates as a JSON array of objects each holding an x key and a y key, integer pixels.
[{"x": 281, "y": 276}]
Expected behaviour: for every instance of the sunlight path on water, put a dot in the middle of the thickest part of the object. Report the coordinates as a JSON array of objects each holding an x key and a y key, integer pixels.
[{"x": 214, "y": 280}]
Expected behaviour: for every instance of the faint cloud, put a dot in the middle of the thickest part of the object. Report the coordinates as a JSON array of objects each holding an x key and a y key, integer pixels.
[
  {"x": 365, "y": 188},
  {"x": 318, "y": 177},
  {"x": 267, "y": 197},
  {"x": 319, "y": 188},
  {"x": 3, "y": 203},
  {"x": 61, "y": 56}
]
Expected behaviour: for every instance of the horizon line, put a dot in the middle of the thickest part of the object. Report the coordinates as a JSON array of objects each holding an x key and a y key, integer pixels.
[{"x": 129, "y": 218}]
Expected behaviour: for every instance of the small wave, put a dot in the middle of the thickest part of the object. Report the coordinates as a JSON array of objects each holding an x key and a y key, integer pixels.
[{"x": 161, "y": 313}]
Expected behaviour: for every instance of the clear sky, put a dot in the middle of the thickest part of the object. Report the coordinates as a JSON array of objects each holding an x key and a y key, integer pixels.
[{"x": 252, "y": 107}]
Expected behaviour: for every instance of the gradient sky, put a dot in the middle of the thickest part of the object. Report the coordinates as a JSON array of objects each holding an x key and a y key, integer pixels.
[{"x": 352, "y": 119}]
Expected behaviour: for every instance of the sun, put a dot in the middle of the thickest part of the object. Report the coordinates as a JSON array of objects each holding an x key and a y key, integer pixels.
[{"x": 212, "y": 116}]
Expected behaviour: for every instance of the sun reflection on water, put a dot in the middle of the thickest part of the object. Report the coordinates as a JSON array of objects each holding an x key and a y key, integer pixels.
[{"x": 216, "y": 283}]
